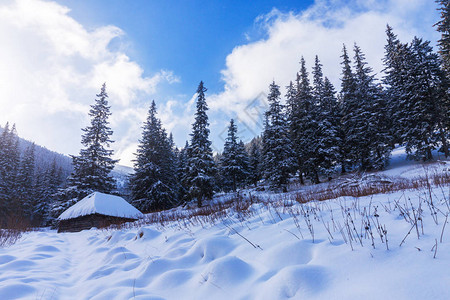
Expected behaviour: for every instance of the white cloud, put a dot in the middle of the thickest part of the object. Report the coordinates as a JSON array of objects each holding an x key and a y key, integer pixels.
[
  {"x": 320, "y": 30},
  {"x": 51, "y": 68}
]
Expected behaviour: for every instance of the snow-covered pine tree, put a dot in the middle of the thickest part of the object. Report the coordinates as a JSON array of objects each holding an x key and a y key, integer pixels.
[
  {"x": 153, "y": 184},
  {"x": 200, "y": 163},
  {"x": 182, "y": 169},
  {"x": 277, "y": 151},
  {"x": 8, "y": 173},
  {"x": 372, "y": 138},
  {"x": 255, "y": 161},
  {"x": 305, "y": 131},
  {"x": 26, "y": 182},
  {"x": 92, "y": 167},
  {"x": 294, "y": 125},
  {"x": 423, "y": 88},
  {"x": 326, "y": 116},
  {"x": 356, "y": 109},
  {"x": 234, "y": 163},
  {"x": 417, "y": 94},
  {"x": 443, "y": 26},
  {"x": 9, "y": 167},
  {"x": 395, "y": 74},
  {"x": 47, "y": 184},
  {"x": 244, "y": 161}
]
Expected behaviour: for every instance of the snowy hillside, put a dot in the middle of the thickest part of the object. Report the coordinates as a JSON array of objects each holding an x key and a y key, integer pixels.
[{"x": 394, "y": 245}]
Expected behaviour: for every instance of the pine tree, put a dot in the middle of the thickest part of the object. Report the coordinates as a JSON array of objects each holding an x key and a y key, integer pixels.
[
  {"x": 423, "y": 88},
  {"x": 9, "y": 168},
  {"x": 6, "y": 171},
  {"x": 255, "y": 161},
  {"x": 294, "y": 123},
  {"x": 153, "y": 184},
  {"x": 443, "y": 26},
  {"x": 350, "y": 108},
  {"x": 182, "y": 171},
  {"x": 417, "y": 99},
  {"x": 372, "y": 138},
  {"x": 243, "y": 160},
  {"x": 25, "y": 181},
  {"x": 200, "y": 163},
  {"x": 234, "y": 161},
  {"x": 306, "y": 116},
  {"x": 278, "y": 156},
  {"x": 325, "y": 137},
  {"x": 395, "y": 75},
  {"x": 94, "y": 164},
  {"x": 229, "y": 168}
]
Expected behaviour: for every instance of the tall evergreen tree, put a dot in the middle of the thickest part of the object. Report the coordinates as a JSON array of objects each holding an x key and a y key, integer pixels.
[
  {"x": 234, "y": 162},
  {"x": 371, "y": 134},
  {"x": 26, "y": 181},
  {"x": 182, "y": 171},
  {"x": 278, "y": 155},
  {"x": 350, "y": 108},
  {"x": 443, "y": 26},
  {"x": 92, "y": 167},
  {"x": 423, "y": 88},
  {"x": 200, "y": 163},
  {"x": 325, "y": 112},
  {"x": 306, "y": 139},
  {"x": 9, "y": 166},
  {"x": 394, "y": 61},
  {"x": 294, "y": 125},
  {"x": 417, "y": 99},
  {"x": 255, "y": 161},
  {"x": 153, "y": 184}
]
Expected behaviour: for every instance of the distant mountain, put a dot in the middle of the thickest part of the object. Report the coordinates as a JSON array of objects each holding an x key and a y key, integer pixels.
[{"x": 45, "y": 157}]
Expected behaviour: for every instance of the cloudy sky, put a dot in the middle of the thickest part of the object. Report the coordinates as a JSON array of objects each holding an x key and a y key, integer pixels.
[{"x": 55, "y": 55}]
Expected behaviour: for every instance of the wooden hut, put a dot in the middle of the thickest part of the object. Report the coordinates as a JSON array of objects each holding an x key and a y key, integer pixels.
[{"x": 97, "y": 210}]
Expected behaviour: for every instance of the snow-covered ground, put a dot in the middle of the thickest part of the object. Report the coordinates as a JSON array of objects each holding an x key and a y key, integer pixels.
[{"x": 318, "y": 250}]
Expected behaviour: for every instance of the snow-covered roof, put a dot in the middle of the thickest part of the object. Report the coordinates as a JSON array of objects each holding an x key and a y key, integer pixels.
[{"x": 104, "y": 204}]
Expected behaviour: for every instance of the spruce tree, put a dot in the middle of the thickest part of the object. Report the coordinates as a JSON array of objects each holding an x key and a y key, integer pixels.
[
  {"x": 26, "y": 181},
  {"x": 200, "y": 163},
  {"x": 182, "y": 170},
  {"x": 278, "y": 155},
  {"x": 443, "y": 26},
  {"x": 255, "y": 161},
  {"x": 92, "y": 167},
  {"x": 306, "y": 139},
  {"x": 9, "y": 168},
  {"x": 325, "y": 112},
  {"x": 8, "y": 172},
  {"x": 423, "y": 88},
  {"x": 294, "y": 124},
  {"x": 350, "y": 111},
  {"x": 153, "y": 184},
  {"x": 394, "y": 61},
  {"x": 370, "y": 119},
  {"x": 234, "y": 163}
]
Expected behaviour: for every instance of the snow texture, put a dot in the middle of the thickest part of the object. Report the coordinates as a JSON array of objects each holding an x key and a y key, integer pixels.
[
  {"x": 217, "y": 261},
  {"x": 104, "y": 204}
]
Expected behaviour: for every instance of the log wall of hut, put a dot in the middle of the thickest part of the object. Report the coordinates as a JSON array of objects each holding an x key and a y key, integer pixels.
[{"x": 89, "y": 221}]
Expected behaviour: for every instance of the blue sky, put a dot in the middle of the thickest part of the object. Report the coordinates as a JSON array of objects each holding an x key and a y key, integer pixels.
[
  {"x": 56, "y": 54},
  {"x": 191, "y": 38}
]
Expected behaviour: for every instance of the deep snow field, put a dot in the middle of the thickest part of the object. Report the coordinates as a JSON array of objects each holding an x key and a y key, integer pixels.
[{"x": 280, "y": 250}]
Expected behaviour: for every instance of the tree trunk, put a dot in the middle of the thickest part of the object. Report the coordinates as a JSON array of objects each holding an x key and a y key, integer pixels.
[{"x": 300, "y": 176}]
